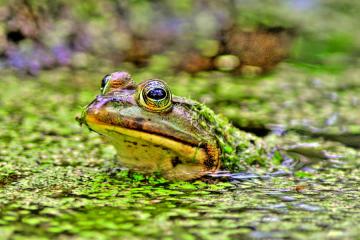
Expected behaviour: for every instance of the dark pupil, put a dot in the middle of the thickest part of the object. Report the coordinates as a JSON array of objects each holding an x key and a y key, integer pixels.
[
  {"x": 156, "y": 94},
  {"x": 104, "y": 81}
]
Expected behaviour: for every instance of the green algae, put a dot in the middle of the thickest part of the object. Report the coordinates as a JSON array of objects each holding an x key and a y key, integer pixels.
[
  {"x": 58, "y": 181},
  {"x": 239, "y": 150}
]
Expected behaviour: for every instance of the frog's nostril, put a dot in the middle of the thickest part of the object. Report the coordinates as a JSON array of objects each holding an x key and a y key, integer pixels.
[{"x": 104, "y": 81}]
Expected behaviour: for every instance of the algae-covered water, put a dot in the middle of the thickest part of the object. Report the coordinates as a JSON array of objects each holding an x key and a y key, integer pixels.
[{"x": 60, "y": 181}]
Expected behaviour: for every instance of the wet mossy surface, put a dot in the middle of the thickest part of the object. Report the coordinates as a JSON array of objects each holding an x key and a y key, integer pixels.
[
  {"x": 60, "y": 181},
  {"x": 240, "y": 150}
]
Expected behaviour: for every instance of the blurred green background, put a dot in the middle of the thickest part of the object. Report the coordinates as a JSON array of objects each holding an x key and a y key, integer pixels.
[{"x": 37, "y": 35}]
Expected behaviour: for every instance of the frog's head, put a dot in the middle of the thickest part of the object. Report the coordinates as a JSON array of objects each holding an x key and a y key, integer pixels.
[{"x": 152, "y": 130}]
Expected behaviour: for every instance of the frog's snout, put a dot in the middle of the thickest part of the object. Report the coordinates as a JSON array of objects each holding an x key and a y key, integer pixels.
[
  {"x": 82, "y": 118},
  {"x": 88, "y": 110}
]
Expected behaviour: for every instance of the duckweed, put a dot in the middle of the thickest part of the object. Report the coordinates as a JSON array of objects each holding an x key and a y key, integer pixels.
[{"x": 60, "y": 181}]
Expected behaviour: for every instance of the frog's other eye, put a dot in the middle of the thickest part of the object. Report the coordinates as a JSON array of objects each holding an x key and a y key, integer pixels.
[
  {"x": 154, "y": 96},
  {"x": 116, "y": 81},
  {"x": 104, "y": 82}
]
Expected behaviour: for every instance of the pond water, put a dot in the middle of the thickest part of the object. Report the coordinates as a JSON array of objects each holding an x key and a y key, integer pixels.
[{"x": 59, "y": 181}]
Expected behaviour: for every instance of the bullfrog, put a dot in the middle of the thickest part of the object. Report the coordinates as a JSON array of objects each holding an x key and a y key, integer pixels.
[{"x": 155, "y": 131}]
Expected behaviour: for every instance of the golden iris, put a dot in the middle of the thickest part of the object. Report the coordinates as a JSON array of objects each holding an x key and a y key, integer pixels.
[{"x": 154, "y": 96}]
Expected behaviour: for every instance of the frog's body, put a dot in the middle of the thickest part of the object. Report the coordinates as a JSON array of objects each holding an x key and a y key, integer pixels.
[{"x": 154, "y": 131}]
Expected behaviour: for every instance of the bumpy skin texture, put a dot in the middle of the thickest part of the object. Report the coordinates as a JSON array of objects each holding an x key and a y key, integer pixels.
[{"x": 185, "y": 141}]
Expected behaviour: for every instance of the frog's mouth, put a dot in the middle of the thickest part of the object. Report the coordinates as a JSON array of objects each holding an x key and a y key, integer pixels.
[
  {"x": 174, "y": 156},
  {"x": 100, "y": 112},
  {"x": 181, "y": 146}
]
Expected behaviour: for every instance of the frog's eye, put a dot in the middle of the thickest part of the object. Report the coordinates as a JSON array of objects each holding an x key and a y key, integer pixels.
[
  {"x": 116, "y": 81},
  {"x": 154, "y": 96},
  {"x": 104, "y": 82}
]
